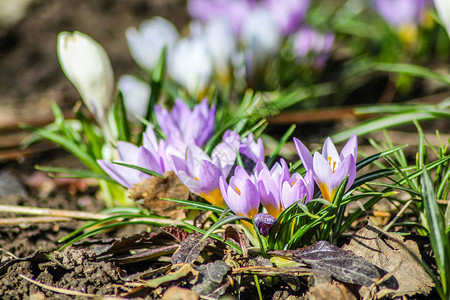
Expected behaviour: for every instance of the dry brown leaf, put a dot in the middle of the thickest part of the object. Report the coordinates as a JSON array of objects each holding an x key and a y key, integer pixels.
[
  {"x": 154, "y": 188},
  {"x": 178, "y": 293},
  {"x": 327, "y": 291},
  {"x": 392, "y": 254}
]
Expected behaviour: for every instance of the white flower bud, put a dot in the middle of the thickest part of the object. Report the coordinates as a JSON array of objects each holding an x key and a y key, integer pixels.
[
  {"x": 146, "y": 44},
  {"x": 443, "y": 9},
  {"x": 87, "y": 66}
]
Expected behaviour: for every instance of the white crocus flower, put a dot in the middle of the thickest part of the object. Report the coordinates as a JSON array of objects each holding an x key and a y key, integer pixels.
[
  {"x": 261, "y": 38},
  {"x": 443, "y": 9},
  {"x": 190, "y": 65},
  {"x": 136, "y": 94},
  {"x": 260, "y": 33},
  {"x": 146, "y": 44},
  {"x": 222, "y": 46},
  {"x": 87, "y": 66}
]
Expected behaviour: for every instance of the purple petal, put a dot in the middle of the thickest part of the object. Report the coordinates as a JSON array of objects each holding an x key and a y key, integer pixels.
[
  {"x": 304, "y": 154},
  {"x": 123, "y": 175},
  {"x": 127, "y": 152},
  {"x": 350, "y": 148},
  {"x": 329, "y": 150},
  {"x": 322, "y": 170}
]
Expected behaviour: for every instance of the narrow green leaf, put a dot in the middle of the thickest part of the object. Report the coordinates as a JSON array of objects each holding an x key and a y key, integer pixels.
[
  {"x": 436, "y": 225},
  {"x": 286, "y": 136},
  {"x": 387, "y": 122},
  {"x": 214, "y": 236},
  {"x": 70, "y": 146},
  {"x": 197, "y": 205},
  {"x": 368, "y": 160},
  {"x": 144, "y": 170},
  {"x": 73, "y": 173},
  {"x": 220, "y": 223},
  {"x": 120, "y": 118},
  {"x": 414, "y": 70}
]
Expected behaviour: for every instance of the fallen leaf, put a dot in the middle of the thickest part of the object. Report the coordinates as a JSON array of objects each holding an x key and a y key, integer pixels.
[
  {"x": 342, "y": 265},
  {"x": 232, "y": 232},
  {"x": 181, "y": 272},
  {"x": 190, "y": 249},
  {"x": 178, "y": 233},
  {"x": 210, "y": 277},
  {"x": 326, "y": 291},
  {"x": 154, "y": 188},
  {"x": 178, "y": 293},
  {"x": 391, "y": 253},
  {"x": 137, "y": 241}
]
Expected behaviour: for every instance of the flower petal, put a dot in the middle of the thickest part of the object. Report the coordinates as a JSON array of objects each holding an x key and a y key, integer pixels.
[{"x": 304, "y": 154}]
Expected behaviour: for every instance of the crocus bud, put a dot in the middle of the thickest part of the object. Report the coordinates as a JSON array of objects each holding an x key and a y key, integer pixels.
[
  {"x": 264, "y": 222},
  {"x": 147, "y": 44},
  {"x": 136, "y": 94},
  {"x": 443, "y": 9},
  {"x": 87, "y": 66}
]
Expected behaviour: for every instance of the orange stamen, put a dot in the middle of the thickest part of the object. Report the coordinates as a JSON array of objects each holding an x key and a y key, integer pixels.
[{"x": 237, "y": 190}]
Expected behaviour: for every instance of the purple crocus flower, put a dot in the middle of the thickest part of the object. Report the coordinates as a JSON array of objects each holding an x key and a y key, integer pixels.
[
  {"x": 133, "y": 155},
  {"x": 199, "y": 173},
  {"x": 400, "y": 13},
  {"x": 288, "y": 13},
  {"x": 241, "y": 194},
  {"x": 329, "y": 167},
  {"x": 233, "y": 10},
  {"x": 278, "y": 189},
  {"x": 183, "y": 126},
  {"x": 312, "y": 47}
]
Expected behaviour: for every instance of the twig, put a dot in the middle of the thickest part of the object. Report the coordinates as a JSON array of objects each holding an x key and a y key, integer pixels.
[
  {"x": 65, "y": 291},
  {"x": 399, "y": 214},
  {"x": 79, "y": 215},
  {"x": 6, "y": 222}
]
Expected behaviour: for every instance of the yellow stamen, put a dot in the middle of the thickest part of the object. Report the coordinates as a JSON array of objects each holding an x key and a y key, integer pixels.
[
  {"x": 334, "y": 167},
  {"x": 196, "y": 178},
  {"x": 215, "y": 198}
]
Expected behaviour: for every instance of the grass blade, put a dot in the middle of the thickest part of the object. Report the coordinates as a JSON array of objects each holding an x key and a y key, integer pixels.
[{"x": 436, "y": 227}]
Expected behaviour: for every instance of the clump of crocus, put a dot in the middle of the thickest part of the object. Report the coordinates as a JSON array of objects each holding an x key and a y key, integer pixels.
[
  {"x": 403, "y": 15},
  {"x": 330, "y": 168},
  {"x": 87, "y": 66},
  {"x": 312, "y": 47},
  {"x": 183, "y": 126},
  {"x": 278, "y": 189},
  {"x": 201, "y": 173}
]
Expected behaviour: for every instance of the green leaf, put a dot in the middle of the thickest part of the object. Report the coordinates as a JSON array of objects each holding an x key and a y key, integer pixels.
[
  {"x": 413, "y": 70},
  {"x": 368, "y": 160},
  {"x": 197, "y": 205},
  {"x": 120, "y": 118},
  {"x": 144, "y": 170},
  {"x": 283, "y": 141},
  {"x": 69, "y": 145},
  {"x": 213, "y": 235},
  {"x": 73, "y": 173},
  {"x": 221, "y": 222},
  {"x": 436, "y": 226},
  {"x": 387, "y": 122}
]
